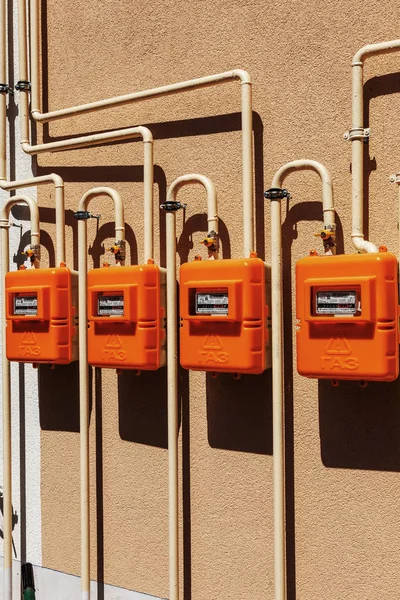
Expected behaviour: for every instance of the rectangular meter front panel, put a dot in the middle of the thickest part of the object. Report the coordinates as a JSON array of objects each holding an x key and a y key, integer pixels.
[
  {"x": 41, "y": 307},
  {"x": 347, "y": 307},
  {"x": 224, "y": 316},
  {"x": 126, "y": 312}
]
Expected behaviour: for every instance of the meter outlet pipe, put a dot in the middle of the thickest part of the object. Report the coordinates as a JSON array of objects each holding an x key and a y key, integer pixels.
[
  {"x": 171, "y": 206},
  {"x": 6, "y": 383},
  {"x": 357, "y": 135},
  {"x": 82, "y": 215},
  {"x": 275, "y": 195}
]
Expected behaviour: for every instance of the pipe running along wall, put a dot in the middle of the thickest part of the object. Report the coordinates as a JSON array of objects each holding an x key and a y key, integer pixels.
[
  {"x": 33, "y": 181},
  {"x": 84, "y": 370},
  {"x": 175, "y": 88},
  {"x": 171, "y": 206},
  {"x": 277, "y": 352},
  {"x": 6, "y": 381},
  {"x": 357, "y": 135}
]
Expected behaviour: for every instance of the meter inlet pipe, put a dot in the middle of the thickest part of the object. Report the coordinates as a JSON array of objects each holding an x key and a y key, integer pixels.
[
  {"x": 211, "y": 241},
  {"x": 276, "y": 194},
  {"x": 6, "y": 384},
  {"x": 357, "y": 135},
  {"x": 201, "y": 82},
  {"x": 82, "y": 215}
]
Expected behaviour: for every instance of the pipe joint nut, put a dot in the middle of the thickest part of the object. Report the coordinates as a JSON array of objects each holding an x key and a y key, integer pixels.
[{"x": 277, "y": 194}]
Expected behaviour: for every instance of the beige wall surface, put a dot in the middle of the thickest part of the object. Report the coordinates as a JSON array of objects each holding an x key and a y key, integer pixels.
[{"x": 342, "y": 444}]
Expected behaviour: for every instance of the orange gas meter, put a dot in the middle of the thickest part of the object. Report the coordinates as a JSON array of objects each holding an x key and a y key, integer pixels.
[
  {"x": 347, "y": 307},
  {"x": 41, "y": 308},
  {"x": 224, "y": 315},
  {"x": 126, "y": 312}
]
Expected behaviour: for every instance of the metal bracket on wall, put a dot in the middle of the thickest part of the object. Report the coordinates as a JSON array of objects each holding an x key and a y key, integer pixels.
[{"x": 358, "y": 133}]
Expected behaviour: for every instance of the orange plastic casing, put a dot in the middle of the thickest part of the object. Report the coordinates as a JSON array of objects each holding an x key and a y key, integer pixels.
[
  {"x": 135, "y": 338},
  {"x": 236, "y": 342},
  {"x": 363, "y": 345},
  {"x": 46, "y": 333}
]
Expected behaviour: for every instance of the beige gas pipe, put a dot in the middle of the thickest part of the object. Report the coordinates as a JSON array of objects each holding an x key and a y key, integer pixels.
[
  {"x": 175, "y": 88},
  {"x": 357, "y": 135},
  {"x": 6, "y": 383},
  {"x": 82, "y": 215},
  {"x": 276, "y": 194},
  {"x": 33, "y": 181},
  {"x": 171, "y": 206}
]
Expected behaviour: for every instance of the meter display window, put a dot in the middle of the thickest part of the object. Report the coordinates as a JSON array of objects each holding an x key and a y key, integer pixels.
[
  {"x": 340, "y": 303},
  {"x": 211, "y": 303},
  {"x": 25, "y": 305},
  {"x": 110, "y": 305}
]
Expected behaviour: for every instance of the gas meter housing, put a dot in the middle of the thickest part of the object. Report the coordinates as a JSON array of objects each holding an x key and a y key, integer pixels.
[
  {"x": 126, "y": 312},
  {"x": 224, "y": 325},
  {"x": 347, "y": 311},
  {"x": 41, "y": 308}
]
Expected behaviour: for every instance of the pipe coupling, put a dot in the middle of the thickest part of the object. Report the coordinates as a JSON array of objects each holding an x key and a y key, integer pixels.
[{"x": 172, "y": 206}]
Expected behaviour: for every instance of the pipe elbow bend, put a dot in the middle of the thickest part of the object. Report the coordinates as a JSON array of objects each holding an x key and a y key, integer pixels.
[
  {"x": 362, "y": 245},
  {"x": 27, "y": 148},
  {"x": 57, "y": 180},
  {"x": 146, "y": 134},
  {"x": 242, "y": 75},
  {"x": 37, "y": 115}
]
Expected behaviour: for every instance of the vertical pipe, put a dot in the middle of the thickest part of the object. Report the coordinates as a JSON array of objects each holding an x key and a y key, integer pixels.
[
  {"x": 84, "y": 412},
  {"x": 3, "y": 96},
  {"x": 148, "y": 181},
  {"x": 34, "y": 54},
  {"x": 6, "y": 395},
  {"x": 247, "y": 158},
  {"x": 278, "y": 401},
  {"x": 172, "y": 370}
]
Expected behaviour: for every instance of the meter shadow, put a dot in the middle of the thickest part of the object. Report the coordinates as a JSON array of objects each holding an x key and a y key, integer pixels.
[
  {"x": 309, "y": 211},
  {"x": 375, "y": 87},
  {"x": 360, "y": 427},
  {"x": 239, "y": 412},
  {"x": 59, "y": 397}
]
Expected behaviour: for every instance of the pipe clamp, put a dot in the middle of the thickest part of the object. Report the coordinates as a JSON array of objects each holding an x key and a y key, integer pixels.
[
  {"x": 6, "y": 89},
  {"x": 358, "y": 133},
  {"x": 83, "y": 215},
  {"x": 276, "y": 194},
  {"x": 172, "y": 205},
  {"x": 23, "y": 86}
]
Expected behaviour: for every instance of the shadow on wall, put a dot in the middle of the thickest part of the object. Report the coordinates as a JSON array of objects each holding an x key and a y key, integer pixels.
[{"x": 360, "y": 427}]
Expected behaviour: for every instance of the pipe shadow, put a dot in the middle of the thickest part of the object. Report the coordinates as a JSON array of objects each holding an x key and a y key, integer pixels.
[
  {"x": 99, "y": 483},
  {"x": 310, "y": 211}
]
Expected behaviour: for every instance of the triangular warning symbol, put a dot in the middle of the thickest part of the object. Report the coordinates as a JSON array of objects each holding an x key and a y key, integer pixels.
[
  {"x": 29, "y": 338},
  {"x": 113, "y": 341},
  {"x": 212, "y": 342},
  {"x": 338, "y": 345}
]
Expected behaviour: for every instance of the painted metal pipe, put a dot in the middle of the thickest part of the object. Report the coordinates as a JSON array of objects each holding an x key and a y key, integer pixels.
[
  {"x": 278, "y": 402},
  {"x": 171, "y": 206},
  {"x": 357, "y": 135},
  {"x": 84, "y": 370},
  {"x": 212, "y": 205},
  {"x": 6, "y": 382},
  {"x": 179, "y": 87}
]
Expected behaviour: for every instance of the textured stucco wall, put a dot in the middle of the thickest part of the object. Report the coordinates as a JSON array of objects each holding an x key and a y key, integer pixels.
[{"x": 343, "y": 454}]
